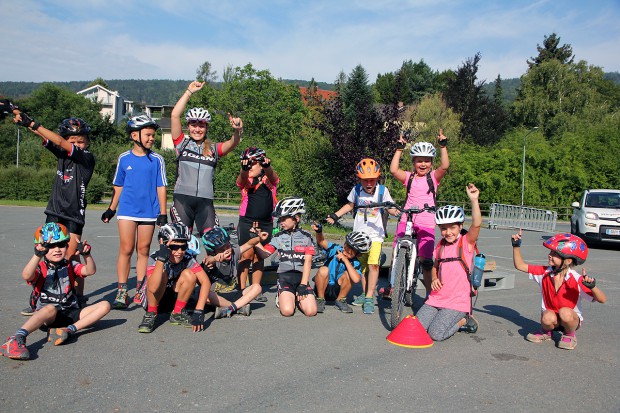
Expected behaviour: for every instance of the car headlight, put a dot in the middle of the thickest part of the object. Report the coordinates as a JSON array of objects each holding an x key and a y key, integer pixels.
[{"x": 591, "y": 215}]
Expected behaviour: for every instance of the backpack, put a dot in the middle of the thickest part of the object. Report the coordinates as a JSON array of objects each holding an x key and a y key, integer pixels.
[
  {"x": 384, "y": 213},
  {"x": 37, "y": 285},
  {"x": 429, "y": 181}
]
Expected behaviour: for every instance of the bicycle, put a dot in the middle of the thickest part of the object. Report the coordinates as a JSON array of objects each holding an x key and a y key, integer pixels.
[{"x": 404, "y": 276}]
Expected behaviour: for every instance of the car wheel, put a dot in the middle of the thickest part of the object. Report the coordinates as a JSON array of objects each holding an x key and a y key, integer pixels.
[{"x": 573, "y": 228}]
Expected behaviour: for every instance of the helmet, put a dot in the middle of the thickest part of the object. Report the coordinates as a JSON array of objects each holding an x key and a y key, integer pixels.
[
  {"x": 51, "y": 233},
  {"x": 359, "y": 241},
  {"x": 568, "y": 246},
  {"x": 252, "y": 153},
  {"x": 450, "y": 214},
  {"x": 73, "y": 126},
  {"x": 423, "y": 149},
  {"x": 193, "y": 246},
  {"x": 140, "y": 122},
  {"x": 198, "y": 114},
  {"x": 368, "y": 169},
  {"x": 289, "y": 206},
  {"x": 215, "y": 238},
  {"x": 176, "y": 231}
]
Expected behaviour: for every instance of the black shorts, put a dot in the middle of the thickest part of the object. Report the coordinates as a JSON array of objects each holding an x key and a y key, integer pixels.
[
  {"x": 72, "y": 226},
  {"x": 332, "y": 291},
  {"x": 66, "y": 317},
  {"x": 289, "y": 281},
  {"x": 243, "y": 230},
  {"x": 191, "y": 209}
]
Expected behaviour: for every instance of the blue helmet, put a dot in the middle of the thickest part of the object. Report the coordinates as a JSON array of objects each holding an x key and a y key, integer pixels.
[{"x": 215, "y": 238}]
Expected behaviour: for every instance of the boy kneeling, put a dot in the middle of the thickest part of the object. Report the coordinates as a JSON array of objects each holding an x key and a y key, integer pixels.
[{"x": 341, "y": 270}]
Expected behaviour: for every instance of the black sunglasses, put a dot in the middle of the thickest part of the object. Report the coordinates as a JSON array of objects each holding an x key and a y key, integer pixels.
[
  {"x": 61, "y": 244},
  {"x": 174, "y": 247}
]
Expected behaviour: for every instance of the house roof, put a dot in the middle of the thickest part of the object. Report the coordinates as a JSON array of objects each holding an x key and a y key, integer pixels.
[
  {"x": 88, "y": 89},
  {"x": 323, "y": 94}
]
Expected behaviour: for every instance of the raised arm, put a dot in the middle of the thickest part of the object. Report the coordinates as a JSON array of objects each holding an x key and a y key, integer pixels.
[
  {"x": 443, "y": 151},
  {"x": 318, "y": 233},
  {"x": 237, "y": 125},
  {"x": 333, "y": 218},
  {"x": 24, "y": 120},
  {"x": 517, "y": 259},
  {"x": 476, "y": 216},
  {"x": 395, "y": 164},
  {"x": 175, "y": 117}
]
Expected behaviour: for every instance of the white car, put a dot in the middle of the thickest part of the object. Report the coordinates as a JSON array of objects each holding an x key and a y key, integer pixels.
[{"x": 597, "y": 216}]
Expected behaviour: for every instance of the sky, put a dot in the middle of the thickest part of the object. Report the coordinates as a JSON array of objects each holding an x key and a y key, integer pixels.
[{"x": 64, "y": 40}]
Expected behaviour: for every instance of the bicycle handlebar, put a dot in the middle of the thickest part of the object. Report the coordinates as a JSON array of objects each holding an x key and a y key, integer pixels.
[{"x": 412, "y": 210}]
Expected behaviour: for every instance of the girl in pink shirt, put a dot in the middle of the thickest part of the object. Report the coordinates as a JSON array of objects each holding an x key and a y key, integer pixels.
[{"x": 448, "y": 306}]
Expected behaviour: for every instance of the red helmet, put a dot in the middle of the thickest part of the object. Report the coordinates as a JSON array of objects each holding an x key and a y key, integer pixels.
[
  {"x": 368, "y": 169},
  {"x": 568, "y": 246}
]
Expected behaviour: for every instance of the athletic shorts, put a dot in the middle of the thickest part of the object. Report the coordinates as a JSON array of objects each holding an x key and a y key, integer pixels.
[
  {"x": 289, "y": 281},
  {"x": 66, "y": 317},
  {"x": 243, "y": 230},
  {"x": 72, "y": 226},
  {"x": 191, "y": 209},
  {"x": 426, "y": 238},
  {"x": 332, "y": 292},
  {"x": 372, "y": 257}
]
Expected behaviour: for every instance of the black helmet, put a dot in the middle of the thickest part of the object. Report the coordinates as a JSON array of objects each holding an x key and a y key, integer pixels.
[{"x": 73, "y": 126}]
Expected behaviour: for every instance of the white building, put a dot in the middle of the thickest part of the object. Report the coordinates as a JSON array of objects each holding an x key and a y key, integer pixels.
[{"x": 113, "y": 104}]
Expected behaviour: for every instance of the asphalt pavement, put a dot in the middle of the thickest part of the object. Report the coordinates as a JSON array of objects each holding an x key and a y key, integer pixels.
[{"x": 331, "y": 362}]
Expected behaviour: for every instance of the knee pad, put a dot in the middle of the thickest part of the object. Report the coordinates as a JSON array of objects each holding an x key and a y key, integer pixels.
[{"x": 426, "y": 263}]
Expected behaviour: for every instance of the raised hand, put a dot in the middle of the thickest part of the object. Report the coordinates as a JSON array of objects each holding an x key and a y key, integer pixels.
[
  {"x": 236, "y": 123},
  {"x": 195, "y": 86},
  {"x": 442, "y": 140},
  {"x": 516, "y": 238},
  {"x": 472, "y": 192}
]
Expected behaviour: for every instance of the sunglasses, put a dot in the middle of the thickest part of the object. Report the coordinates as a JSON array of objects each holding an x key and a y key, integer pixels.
[
  {"x": 197, "y": 122},
  {"x": 62, "y": 244},
  {"x": 175, "y": 247}
]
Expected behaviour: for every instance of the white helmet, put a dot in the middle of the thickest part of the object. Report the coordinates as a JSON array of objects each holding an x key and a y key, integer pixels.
[
  {"x": 193, "y": 246},
  {"x": 289, "y": 207},
  {"x": 140, "y": 122},
  {"x": 175, "y": 231},
  {"x": 359, "y": 241},
  {"x": 198, "y": 114},
  {"x": 423, "y": 149},
  {"x": 450, "y": 214}
]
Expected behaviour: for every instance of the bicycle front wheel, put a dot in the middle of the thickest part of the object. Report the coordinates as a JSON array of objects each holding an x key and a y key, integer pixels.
[{"x": 399, "y": 288}]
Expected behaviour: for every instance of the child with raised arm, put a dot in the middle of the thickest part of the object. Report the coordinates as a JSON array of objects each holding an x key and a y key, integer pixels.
[
  {"x": 53, "y": 280},
  {"x": 562, "y": 287},
  {"x": 296, "y": 250},
  {"x": 341, "y": 268},
  {"x": 74, "y": 168},
  {"x": 140, "y": 196},
  {"x": 421, "y": 184},
  {"x": 258, "y": 182},
  {"x": 448, "y": 306},
  {"x": 372, "y": 221}
]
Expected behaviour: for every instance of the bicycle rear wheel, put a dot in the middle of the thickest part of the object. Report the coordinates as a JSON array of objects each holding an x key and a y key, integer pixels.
[{"x": 399, "y": 287}]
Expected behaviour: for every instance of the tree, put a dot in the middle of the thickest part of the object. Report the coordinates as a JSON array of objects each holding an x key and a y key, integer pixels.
[
  {"x": 550, "y": 50},
  {"x": 414, "y": 80},
  {"x": 385, "y": 88},
  {"x": 99, "y": 81},
  {"x": 205, "y": 74}
]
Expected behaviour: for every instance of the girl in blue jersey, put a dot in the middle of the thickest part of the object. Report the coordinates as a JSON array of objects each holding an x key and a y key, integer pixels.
[{"x": 140, "y": 196}]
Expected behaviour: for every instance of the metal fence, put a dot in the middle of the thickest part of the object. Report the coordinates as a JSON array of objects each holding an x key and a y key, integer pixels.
[{"x": 515, "y": 216}]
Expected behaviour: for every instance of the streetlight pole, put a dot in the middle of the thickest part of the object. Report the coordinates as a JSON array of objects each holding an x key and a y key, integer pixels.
[{"x": 523, "y": 164}]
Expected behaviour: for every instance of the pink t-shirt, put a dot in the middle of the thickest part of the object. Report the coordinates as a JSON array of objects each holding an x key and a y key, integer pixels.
[
  {"x": 418, "y": 196},
  {"x": 455, "y": 291}
]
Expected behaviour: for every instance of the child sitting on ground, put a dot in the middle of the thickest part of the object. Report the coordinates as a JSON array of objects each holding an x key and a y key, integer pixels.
[
  {"x": 561, "y": 286},
  {"x": 341, "y": 269},
  {"x": 448, "y": 306},
  {"x": 53, "y": 280},
  {"x": 296, "y": 251}
]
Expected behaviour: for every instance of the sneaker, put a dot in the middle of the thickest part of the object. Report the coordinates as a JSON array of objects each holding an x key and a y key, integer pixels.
[
  {"x": 28, "y": 311},
  {"x": 245, "y": 310},
  {"x": 342, "y": 305},
  {"x": 386, "y": 292},
  {"x": 15, "y": 348},
  {"x": 261, "y": 298},
  {"x": 222, "y": 312},
  {"x": 122, "y": 299},
  {"x": 359, "y": 300},
  {"x": 567, "y": 342},
  {"x": 58, "y": 336},
  {"x": 181, "y": 319},
  {"x": 470, "y": 326},
  {"x": 137, "y": 299},
  {"x": 539, "y": 336},
  {"x": 320, "y": 305},
  {"x": 148, "y": 322},
  {"x": 277, "y": 301},
  {"x": 369, "y": 305}
]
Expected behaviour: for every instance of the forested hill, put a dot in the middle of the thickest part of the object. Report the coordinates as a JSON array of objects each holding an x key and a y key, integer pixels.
[{"x": 152, "y": 92}]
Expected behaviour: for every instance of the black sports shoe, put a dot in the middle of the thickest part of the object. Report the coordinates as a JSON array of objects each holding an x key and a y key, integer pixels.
[
  {"x": 148, "y": 322},
  {"x": 470, "y": 326}
]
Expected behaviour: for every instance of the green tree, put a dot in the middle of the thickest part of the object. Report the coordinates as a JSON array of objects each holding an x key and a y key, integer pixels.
[
  {"x": 550, "y": 50},
  {"x": 205, "y": 73},
  {"x": 385, "y": 88},
  {"x": 99, "y": 81}
]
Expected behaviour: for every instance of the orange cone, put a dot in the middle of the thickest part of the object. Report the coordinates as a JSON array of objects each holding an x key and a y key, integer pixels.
[{"x": 410, "y": 333}]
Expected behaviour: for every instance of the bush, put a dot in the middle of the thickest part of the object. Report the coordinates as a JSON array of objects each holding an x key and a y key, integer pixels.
[{"x": 26, "y": 183}]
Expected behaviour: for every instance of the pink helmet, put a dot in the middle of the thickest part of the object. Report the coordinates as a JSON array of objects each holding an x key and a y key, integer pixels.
[{"x": 568, "y": 246}]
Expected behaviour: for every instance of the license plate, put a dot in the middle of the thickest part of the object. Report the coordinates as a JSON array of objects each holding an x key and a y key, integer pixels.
[{"x": 612, "y": 231}]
